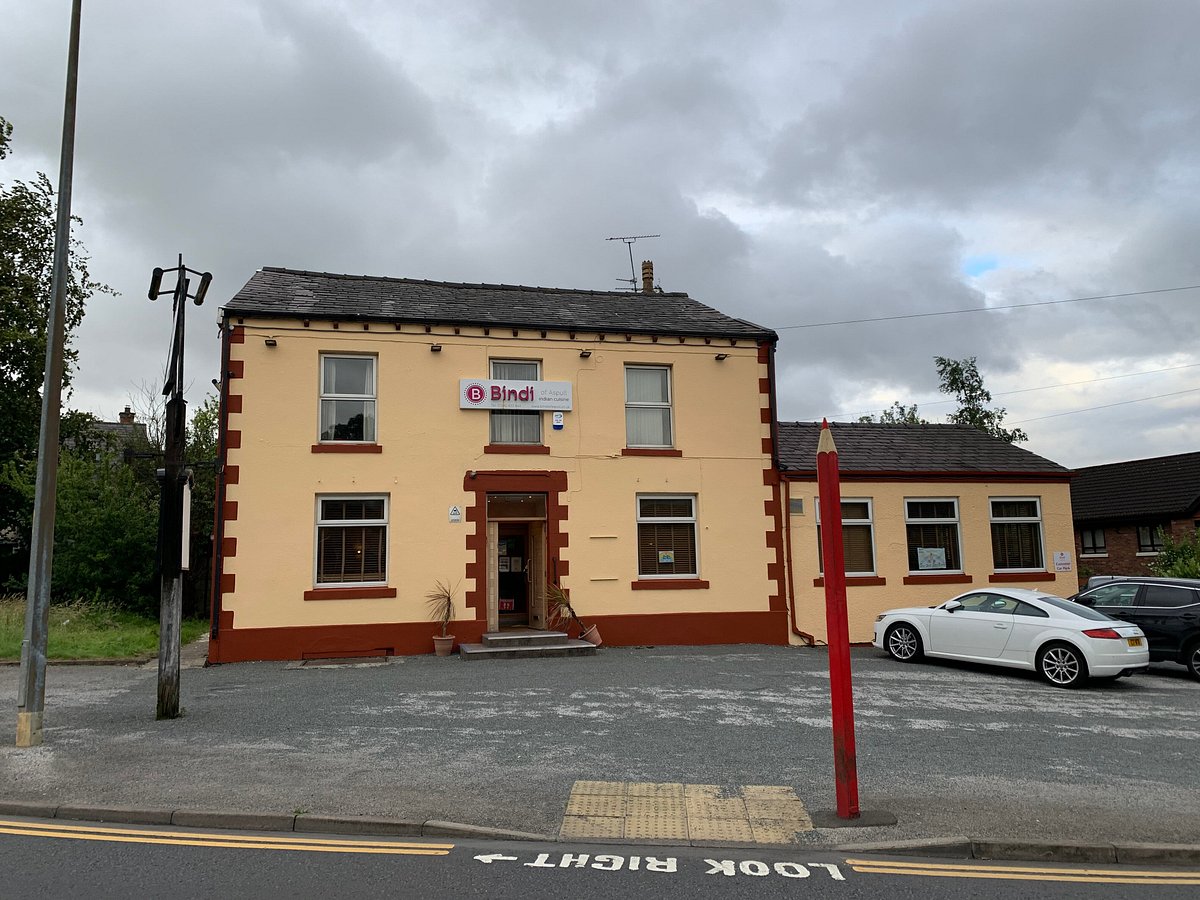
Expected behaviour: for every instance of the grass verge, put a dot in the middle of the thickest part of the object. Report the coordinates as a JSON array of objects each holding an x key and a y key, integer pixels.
[{"x": 87, "y": 630}]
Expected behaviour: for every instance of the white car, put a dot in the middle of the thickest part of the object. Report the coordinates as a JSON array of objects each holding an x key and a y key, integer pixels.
[{"x": 1064, "y": 642}]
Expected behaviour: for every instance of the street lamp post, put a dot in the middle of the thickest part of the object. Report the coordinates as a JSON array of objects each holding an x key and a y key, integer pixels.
[{"x": 171, "y": 504}]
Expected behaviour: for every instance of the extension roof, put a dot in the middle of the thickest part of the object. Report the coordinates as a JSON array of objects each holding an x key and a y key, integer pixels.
[
  {"x": 871, "y": 449},
  {"x": 273, "y": 292},
  {"x": 1162, "y": 487}
]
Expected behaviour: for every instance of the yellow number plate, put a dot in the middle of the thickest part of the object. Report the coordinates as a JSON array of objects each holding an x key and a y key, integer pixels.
[{"x": 1134, "y": 642}]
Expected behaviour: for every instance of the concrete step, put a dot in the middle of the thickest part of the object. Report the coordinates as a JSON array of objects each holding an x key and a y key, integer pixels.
[
  {"x": 526, "y": 637},
  {"x": 563, "y": 647}
]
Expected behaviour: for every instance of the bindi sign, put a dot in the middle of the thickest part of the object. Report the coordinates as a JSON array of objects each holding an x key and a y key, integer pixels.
[{"x": 476, "y": 393}]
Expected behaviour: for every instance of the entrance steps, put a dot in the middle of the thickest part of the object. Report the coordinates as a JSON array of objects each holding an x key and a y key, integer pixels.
[{"x": 525, "y": 643}]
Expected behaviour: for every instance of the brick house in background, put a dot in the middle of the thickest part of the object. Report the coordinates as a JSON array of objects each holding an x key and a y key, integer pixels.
[{"x": 1120, "y": 508}]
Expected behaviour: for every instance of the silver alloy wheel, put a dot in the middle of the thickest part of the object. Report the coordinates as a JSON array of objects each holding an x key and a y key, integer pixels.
[
  {"x": 1193, "y": 662},
  {"x": 903, "y": 643},
  {"x": 1061, "y": 666}
]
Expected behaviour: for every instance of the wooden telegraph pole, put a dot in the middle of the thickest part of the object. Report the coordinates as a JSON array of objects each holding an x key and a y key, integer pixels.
[{"x": 171, "y": 511}]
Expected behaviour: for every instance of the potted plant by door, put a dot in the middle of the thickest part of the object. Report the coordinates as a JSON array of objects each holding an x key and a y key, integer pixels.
[
  {"x": 562, "y": 611},
  {"x": 441, "y": 609}
]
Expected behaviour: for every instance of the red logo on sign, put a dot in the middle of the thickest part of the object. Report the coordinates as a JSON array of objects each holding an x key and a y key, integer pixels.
[{"x": 475, "y": 393}]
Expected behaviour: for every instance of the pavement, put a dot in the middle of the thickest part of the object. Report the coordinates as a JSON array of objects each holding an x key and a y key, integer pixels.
[{"x": 707, "y": 746}]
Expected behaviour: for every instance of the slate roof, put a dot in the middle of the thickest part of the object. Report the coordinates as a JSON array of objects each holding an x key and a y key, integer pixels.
[
  {"x": 321, "y": 295},
  {"x": 871, "y": 448},
  {"x": 1162, "y": 487}
]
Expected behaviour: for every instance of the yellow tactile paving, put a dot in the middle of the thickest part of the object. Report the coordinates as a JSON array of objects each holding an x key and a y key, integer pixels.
[
  {"x": 596, "y": 805},
  {"x": 669, "y": 789},
  {"x": 670, "y": 811},
  {"x": 611, "y": 788},
  {"x": 582, "y": 827}
]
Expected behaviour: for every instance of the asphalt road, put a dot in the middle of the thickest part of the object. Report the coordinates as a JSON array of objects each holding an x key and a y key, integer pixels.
[
  {"x": 949, "y": 749},
  {"x": 48, "y": 859}
]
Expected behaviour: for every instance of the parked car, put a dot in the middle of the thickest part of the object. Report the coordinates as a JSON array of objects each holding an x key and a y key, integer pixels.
[
  {"x": 1064, "y": 642},
  {"x": 1166, "y": 609}
]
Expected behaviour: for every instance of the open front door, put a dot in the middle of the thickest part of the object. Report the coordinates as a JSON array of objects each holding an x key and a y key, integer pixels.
[
  {"x": 493, "y": 577},
  {"x": 537, "y": 574}
]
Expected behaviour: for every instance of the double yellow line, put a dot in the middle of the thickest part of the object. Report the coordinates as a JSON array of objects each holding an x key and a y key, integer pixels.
[
  {"x": 1022, "y": 873},
  {"x": 201, "y": 839}
]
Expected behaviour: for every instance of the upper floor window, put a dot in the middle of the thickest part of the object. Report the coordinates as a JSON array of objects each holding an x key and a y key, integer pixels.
[
  {"x": 515, "y": 427},
  {"x": 352, "y": 540},
  {"x": 1149, "y": 539},
  {"x": 858, "y": 537},
  {"x": 1017, "y": 533},
  {"x": 1091, "y": 542},
  {"x": 648, "y": 406},
  {"x": 933, "y": 539},
  {"x": 347, "y": 398}
]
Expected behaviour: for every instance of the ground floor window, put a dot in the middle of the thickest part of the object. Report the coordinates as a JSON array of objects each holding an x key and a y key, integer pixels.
[
  {"x": 667, "y": 536},
  {"x": 1017, "y": 533},
  {"x": 858, "y": 537},
  {"x": 1091, "y": 542},
  {"x": 352, "y": 540},
  {"x": 932, "y": 530},
  {"x": 1149, "y": 539}
]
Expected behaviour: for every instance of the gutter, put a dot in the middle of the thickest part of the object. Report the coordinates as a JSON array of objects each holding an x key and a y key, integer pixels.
[{"x": 808, "y": 639}]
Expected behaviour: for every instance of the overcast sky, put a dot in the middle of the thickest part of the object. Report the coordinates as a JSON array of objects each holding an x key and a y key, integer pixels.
[{"x": 805, "y": 162}]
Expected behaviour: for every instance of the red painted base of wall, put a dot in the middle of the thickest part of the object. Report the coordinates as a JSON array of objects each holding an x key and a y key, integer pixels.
[{"x": 411, "y": 638}]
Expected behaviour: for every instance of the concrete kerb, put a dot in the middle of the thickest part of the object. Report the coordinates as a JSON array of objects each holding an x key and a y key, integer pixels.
[{"x": 956, "y": 847}]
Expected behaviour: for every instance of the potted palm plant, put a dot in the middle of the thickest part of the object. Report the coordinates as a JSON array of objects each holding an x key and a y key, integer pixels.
[
  {"x": 562, "y": 611},
  {"x": 441, "y": 610}
]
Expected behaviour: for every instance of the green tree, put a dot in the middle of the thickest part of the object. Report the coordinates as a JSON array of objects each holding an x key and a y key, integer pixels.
[
  {"x": 961, "y": 378},
  {"x": 897, "y": 414},
  {"x": 1178, "y": 559},
  {"x": 27, "y": 225}
]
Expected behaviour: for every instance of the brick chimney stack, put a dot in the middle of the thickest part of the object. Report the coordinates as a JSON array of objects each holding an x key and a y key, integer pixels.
[
  {"x": 647, "y": 277},
  {"x": 127, "y": 417}
]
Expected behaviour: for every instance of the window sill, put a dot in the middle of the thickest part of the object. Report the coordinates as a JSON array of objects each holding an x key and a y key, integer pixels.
[
  {"x": 1008, "y": 577},
  {"x": 948, "y": 578},
  {"x": 1093, "y": 555},
  {"x": 516, "y": 448},
  {"x": 364, "y": 447},
  {"x": 856, "y": 581},
  {"x": 650, "y": 451},
  {"x": 1148, "y": 552},
  {"x": 349, "y": 593},
  {"x": 670, "y": 584}
]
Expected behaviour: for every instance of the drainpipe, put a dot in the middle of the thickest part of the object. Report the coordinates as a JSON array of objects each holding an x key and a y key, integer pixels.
[
  {"x": 808, "y": 639},
  {"x": 219, "y": 505}
]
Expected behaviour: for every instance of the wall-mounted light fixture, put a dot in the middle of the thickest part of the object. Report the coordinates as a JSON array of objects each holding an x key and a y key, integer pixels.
[
  {"x": 721, "y": 357},
  {"x": 584, "y": 354},
  {"x": 435, "y": 348},
  {"x": 270, "y": 341}
]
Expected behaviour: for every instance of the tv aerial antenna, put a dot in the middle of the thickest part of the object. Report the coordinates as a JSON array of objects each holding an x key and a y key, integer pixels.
[{"x": 629, "y": 240}]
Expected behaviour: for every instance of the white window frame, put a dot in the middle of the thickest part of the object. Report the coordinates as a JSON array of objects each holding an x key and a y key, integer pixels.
[
  {"x": 869, "y": 521},
  {"x": 1017, "y": 520},
  {"x": 372, "y": 397},
  {"x": 342, "y": 523},
  {"x": 531, "y": 414},
  {"x": 692, "y": 520},
  {"x": 669, "y": 406},
  {"x": 922, "y": 520}
]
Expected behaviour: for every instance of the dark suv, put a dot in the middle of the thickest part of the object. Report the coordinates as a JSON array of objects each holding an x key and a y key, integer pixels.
[{"x": 1167, "y": 609}]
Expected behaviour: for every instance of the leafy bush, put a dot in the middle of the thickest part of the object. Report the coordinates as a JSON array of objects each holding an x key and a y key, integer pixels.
[{"x": 1178, "y": 559}]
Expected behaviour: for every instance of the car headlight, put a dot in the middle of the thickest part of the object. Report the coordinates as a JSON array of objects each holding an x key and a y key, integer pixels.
[{"x": 880, "y": 617}]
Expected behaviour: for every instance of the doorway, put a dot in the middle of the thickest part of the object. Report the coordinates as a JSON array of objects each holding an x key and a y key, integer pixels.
[{"x": 516, "y": 561}]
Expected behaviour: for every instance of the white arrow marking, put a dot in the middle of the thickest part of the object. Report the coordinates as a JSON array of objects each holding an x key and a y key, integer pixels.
[{"x": 494, "y": 857}]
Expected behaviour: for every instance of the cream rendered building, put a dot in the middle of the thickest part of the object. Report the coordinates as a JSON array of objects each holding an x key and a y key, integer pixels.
[
  {"x": 928, "y": 512},
  {"x": 382, "y": 435}
]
